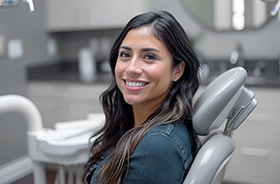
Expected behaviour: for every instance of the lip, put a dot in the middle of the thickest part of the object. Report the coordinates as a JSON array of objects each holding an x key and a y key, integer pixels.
[{"x": 132, "y": 84}]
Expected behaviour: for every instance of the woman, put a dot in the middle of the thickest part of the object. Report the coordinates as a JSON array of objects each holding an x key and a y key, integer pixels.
[{"x": 148, "y": 135}]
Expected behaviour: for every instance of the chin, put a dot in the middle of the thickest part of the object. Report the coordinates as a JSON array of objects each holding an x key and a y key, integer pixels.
[{"x": 130, "y": 101}]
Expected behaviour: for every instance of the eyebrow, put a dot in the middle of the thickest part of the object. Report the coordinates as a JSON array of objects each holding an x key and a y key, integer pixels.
[{"x": 142, "y": 50}]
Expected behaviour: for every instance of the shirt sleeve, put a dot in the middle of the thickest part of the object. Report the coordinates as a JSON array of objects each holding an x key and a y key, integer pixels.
[{"x": 156, "y": 160}]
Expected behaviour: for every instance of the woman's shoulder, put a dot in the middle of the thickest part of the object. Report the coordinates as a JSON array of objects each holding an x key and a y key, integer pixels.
[
  {"x": 173, "y": 130},
  {"x": 173, "y": 135}
]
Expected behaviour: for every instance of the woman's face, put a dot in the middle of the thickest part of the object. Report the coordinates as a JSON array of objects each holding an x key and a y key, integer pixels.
[{"x": 143, "y": 71}]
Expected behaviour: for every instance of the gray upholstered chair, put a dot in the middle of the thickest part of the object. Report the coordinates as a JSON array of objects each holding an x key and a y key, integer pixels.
[{"x": 219, "y": 110}]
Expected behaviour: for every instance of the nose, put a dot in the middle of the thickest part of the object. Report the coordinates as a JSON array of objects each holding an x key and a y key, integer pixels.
[{"x": 134, "y": 67}]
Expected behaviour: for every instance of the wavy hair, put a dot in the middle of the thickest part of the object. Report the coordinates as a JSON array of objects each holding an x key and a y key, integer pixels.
[{"x": 119, "y": 132}]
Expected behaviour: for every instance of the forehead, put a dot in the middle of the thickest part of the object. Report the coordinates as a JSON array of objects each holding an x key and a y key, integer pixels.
[{"x": 142, "y": 37}]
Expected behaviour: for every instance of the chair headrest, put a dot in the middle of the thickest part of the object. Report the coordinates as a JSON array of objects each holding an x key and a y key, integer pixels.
[{"x": 215, "y": 103}]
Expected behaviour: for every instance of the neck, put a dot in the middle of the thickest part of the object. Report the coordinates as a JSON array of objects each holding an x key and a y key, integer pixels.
[
  {"x": 141, "y": 114},
  {"x": 140, "y": 117}
]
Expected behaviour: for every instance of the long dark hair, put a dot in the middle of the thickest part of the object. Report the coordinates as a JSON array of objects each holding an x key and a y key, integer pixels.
[{"x": 118, "y": 132}]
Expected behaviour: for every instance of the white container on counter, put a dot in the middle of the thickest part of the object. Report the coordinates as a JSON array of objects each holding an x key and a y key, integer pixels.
[{"x": 87, "y": 65}]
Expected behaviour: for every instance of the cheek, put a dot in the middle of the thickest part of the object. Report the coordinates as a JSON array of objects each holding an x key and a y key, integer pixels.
[
  {"x": 118, "y": 74},
  {"x": 162, "y": 73},
  {"x": 119, "y": 68},
  {"x": 162, "y": 77}
]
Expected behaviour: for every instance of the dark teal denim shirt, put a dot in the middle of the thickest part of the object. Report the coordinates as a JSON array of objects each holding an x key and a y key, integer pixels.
[{"x": 163, "y": 156}]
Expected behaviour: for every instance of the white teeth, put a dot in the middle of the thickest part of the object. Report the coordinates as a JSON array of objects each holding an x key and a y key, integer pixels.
[{"x": 135, "y": 84}]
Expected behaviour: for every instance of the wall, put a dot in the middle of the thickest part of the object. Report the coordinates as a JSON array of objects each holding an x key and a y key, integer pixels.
[
  {"x": 29, "y": 29},
  {"x": 13, "y": 127}
]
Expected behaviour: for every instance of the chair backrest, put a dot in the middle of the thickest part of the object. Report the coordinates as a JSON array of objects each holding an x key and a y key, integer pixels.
[{"x": 224, "y": 101}]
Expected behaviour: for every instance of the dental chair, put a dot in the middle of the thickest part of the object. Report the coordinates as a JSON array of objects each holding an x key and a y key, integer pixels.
[{"x": 218, "y": 111}]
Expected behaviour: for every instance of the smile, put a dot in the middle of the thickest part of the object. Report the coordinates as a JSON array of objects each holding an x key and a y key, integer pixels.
[{"x": 135, "y": 84}]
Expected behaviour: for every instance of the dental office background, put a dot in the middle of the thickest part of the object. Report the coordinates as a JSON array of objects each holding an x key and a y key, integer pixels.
[{"x": 57, "y": 56}]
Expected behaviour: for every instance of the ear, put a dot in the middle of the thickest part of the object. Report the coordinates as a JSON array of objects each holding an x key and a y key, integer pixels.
[{"x": 179, "y": 70}]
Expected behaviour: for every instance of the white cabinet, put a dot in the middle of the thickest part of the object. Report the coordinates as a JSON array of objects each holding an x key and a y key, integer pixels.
[
  {"x": 63, "y": 14},
  {"x": 68, "y": 15},
  {"x": 256, "y": 159},
  {"x": 59, "y": 101}
]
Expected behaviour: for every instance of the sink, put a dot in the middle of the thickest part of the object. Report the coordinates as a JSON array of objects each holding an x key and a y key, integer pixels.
[{"x": 260, "y": 72}]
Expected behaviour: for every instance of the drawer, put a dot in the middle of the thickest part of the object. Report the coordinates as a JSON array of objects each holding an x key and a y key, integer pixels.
[
  {"x": 268, "y": 99},
  {"x": 65, "y": 90},
  {"x": 254, "y": 165}
]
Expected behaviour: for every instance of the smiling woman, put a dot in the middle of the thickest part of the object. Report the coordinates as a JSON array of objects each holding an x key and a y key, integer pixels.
[
  {"x": 148, "y": 135},
  {"x": 144, "y": 72}
]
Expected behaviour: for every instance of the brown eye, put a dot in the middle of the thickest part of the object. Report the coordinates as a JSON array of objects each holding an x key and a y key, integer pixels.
[
  {"x": 149, "y": 57},
  {"x": 124, "y": 54}
]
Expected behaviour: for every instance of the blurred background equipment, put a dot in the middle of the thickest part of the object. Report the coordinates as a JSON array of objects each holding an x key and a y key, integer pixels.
[{"x": 14, "y": 3}]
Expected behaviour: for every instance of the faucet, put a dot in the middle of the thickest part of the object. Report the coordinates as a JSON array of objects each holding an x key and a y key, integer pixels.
[{"x": 236, "y": 56}]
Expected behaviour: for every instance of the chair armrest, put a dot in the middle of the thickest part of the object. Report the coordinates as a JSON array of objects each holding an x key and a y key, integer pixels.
[{"x": 211, "y": 160}]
